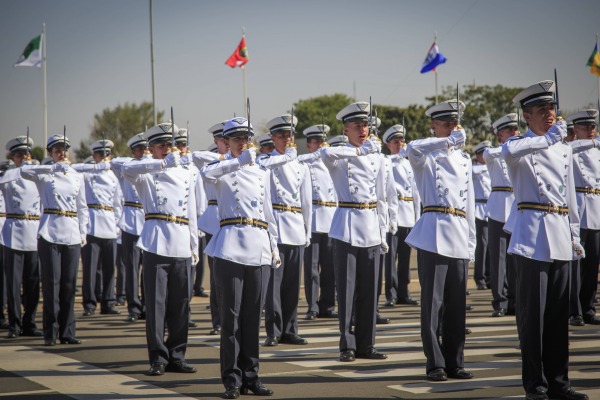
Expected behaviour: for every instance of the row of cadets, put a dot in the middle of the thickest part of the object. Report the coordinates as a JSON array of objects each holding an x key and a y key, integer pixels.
[
  {"x": 131, "y": 223},
  {"x": 18, "y": 238},
  {"x": 99, "y": 255},
  {"x": 397, "y": 261},
  {"x": 291, "y": 198},
  {"x": 545, "y": 238},
  {"x": 503, "y": 267},
  {"x": 244, "y": 250},
  {"x": 482, "y": 186},
  {"x": 208, "y": 212},
  {"x": 170, "y": 245},
  {"x": 62, "y": 232},
  {"x": 445, "y": 237},
  {"x": 319, "y": 276},
  {"x": 586, "y": 169}
]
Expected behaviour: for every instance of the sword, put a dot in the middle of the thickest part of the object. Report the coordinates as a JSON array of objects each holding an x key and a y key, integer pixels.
[
  {"x": 458, "y": 106},
  {"x": 27, "y": 156},
  {"x": 518, "y": 119},
  {"x": 65, "y": 158},
  {"x": 556, "y": 102},
  {"x": 324, "y": 144},
  {"x": 370, "y": 117},
  {"x": 173, "y": 146},
  {"x": 103, "y": 147},
  {"x": 249, "y": 145},
  {"x": 291, "y": 143},
  {"x": 188, "y": 135}
]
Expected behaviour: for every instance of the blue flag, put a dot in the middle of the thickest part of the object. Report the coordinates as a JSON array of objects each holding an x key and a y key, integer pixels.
[{"x": 433, "y": 59}]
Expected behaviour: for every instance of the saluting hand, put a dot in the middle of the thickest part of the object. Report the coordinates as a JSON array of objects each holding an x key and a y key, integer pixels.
[
  {"x": 247, "y": 157},
  {"x": 457, "y": 138},
  {"x": 369, "y": 147},
  {"x": 556, "y": 133},
  {"x": 172, "y": 160},
  {"x": 61, "y": 166}
]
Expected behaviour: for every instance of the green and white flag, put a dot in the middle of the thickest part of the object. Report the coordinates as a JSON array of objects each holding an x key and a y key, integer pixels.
[{"x": 32, "y": 55}]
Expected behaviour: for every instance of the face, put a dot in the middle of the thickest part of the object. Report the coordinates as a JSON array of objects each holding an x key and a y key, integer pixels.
[
  {"x": 160, "y": 150},
  {"x": 479, "y": 157},
  {"x": 138, "y": 152},
  {"x": 237, "y": 145},
  {"x": 222, "y": 145},
  {"x": 182, "y": 146},
  {"x": 18, "y": 157},
  {"x": 357, "y": 132},
  {"x": 584, "y": 131},
  {"x": 313, "y": 144},
  {"x": 395, "y": 144},
  {"x": 58, "y": 153},
  {"x": 443, "y": 128},
  {"x": 268, "y": 149},
  {"x": 506, "y": 133},
  {"x": 540, "y": 118},
  {"x": 281, "y": 140},
  {"x": 98, "y": 156}
]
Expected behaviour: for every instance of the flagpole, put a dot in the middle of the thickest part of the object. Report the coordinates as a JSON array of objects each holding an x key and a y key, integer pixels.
[
  {"x": 45, "y": 104},
  {"x": 435, "y": 70},
  {"x": 244, "y": 100},
  {"x": 152, "y": 65}
]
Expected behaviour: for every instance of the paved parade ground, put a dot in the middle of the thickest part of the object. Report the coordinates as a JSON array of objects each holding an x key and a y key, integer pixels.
[{"x": 112, "y": 361}]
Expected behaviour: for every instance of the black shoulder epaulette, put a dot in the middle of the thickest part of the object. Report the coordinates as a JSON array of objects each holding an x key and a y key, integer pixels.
[
  {"x": 214, "y": 162},
  {"x": 262, "y": 167}
]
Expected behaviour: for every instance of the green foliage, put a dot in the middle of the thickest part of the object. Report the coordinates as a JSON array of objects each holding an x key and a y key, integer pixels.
[
  {"x": 119, "y": 125},
  {"x": 311, "y": 111},
  {"x": 38, "y": 153}
]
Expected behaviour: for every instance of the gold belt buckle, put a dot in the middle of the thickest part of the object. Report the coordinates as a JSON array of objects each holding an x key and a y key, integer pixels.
[
  {"x": 363, "y": 206},
  {"x": 553, "y": 208},
  {"x": 171, "y": 218},
  {"x": 451, "y": 210},
  {"x": 287, "y": 208},
  {"x": 249, "y": 221}
]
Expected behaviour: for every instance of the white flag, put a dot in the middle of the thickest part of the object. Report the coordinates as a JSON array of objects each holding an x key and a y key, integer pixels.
[{"x": 32, "y": 55}]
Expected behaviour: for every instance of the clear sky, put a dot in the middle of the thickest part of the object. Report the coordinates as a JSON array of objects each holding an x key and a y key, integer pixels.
[{"x": 98, "y": 55}]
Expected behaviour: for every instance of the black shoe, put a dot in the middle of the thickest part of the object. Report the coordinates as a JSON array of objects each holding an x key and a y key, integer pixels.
[
  {"x": 372, "y": 354},
  {"x": 70, "y": 340},
  {"x": 347, "y": 355},
  {"x": 271, "y": 341},
  {"x": 120, "y": 303},
  {"x": 293, "y": 339},
  {"x": 110, "y": 311},
  {"x": 192, "y": 324},
  {"x": 257, "y": 388},
  {"x": 232, "y": 392},
  {"x": 569, "y": 394},
  {"x": 437, "y": 375},
  {"x": 468, "y": 292},
  {"x": 3, "y": 323},
  {"x": 408, "y": 301},
  {"x": 201, "y": 293},
  {"x": 331, "y": 314},
  {"x": 592, "y": 321},
  {"x": 390, "y": 303},
  {"x": 467, "y": 331},
  {"x": 157, "y": 368},
  {"x": 458, "y": 373},
  {"x": 311, "y": 315},
  {"x": 13, "y": 335},
  {"x": 49, "y": 342},
  {"x": 481, "y": 286},
  {"x": 142, "y": 316},
  {"x": 33, "y": 332},
  {"x": 576, "y": 320},
  {"x": 501, "y": 312},
  {"x": 88, "y": 313},
  {"x": 181, "y": 367},
  {"x": 216, "y": 330},
  {"x": 468, "y": 307},
  {"x": 536, "y": 396},
  {"x": 132, "y": 318},
  {"x": 381, "y": 320}
]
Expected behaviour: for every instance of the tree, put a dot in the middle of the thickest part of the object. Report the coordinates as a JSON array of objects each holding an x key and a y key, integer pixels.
[
  {"x": 119, "y": 125},
  {"x": 312, "y": 111}
]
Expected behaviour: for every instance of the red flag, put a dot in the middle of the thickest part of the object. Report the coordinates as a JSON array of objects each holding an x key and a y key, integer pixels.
[{"x": 240, "y": 56}]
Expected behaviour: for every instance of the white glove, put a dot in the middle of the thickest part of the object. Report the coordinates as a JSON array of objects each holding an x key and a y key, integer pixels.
[
  {"x": 61, "y": 166},
  {"x": 384, "y": 248},
  {"x": 369, "y": 147},
  {"x": 247, "y": 157},
  {"x": 393, "y": 229},
  {"x": 201, "y": 234},
  {"x": 457, "y": 138},
  {"x": 172, "y": 160},
  {"x": 596, "y": 143},
  {"x": 276, "y": 260},
  {"x": 292, "y": 152},
  {"x": 556, "y": 133},
  {"x": 307, "y": 242},
  {"x": 578, "y": 251},
  {"x": 194, "y": 258},
  {"x": 103, "y": 166},
  {"x": 186, "y": 159},
  {"x": 83, "y": 239}
]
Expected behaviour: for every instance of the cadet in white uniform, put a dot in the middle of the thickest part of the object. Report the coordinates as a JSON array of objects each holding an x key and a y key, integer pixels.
[
  {"x": 19, "y": 239},
  {"x": 545, "y": 238},
  {"x": 170, "y": 244},
  {"x": 445, "y": 236},
  {"x": 397, "y": 261},
  {"x": 482, "y": 186},
  {"x": 244, "y": 248},
  {"x": 586, "y": 167},
  {"x": 131, "y": 224},
  {"x": 358, "y": 230},
  {"x": 291, "y": 198},
  {"x": 319, "y": 276},
  {"x": 503, "y": 272},
  {"x": 103, "y": 196},
  {"x": 62, "y": 231},
  {"x": 266, "y": 145}
]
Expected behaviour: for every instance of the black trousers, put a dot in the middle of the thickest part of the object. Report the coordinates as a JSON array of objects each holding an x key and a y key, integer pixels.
[
  {"x": 215, "y": 314},
  {"x": 121, "y": 274},
  {"x": 543, "y": 319},
  {"x": 2, "y": 285},
  {"x": 397, "y": 265},
  {"x": 503, "y": 272},
  {"x": 281, "y": 307},
  {"x": 356, "y": 276},
  {"x": 482, "y": 258},
  {"x": 97, "y": 254},
  {"x": 59, "y": 264},
  {"x": 132, "y": 258},
  {"x": 24, "y": 271},
  {"x": 590, "y": 240},
  {"x": 319, "y": 274},
  {"x": 241, "y": 290},
  {"x": 166, "y": 290},
  {"x": 200, "y": 267},
  {"x": 443, "y": 300}
]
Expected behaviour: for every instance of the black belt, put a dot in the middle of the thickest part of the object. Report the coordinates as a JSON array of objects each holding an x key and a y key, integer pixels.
[
  {"x": 285, "y": 207},
  {"x": 324, "y": 203},
  {"x": 587, "y": 190},
  {"x": 212, "y": 203},
  {"x": 244, "y": 221},
  {"x": 360, "y": 206},
  {"x": 402, "y": 198},
  {"x": 101, "y": 207},
  {"x": 549, "y": 208},
  {"x": 501, "y": 189},
  {"x": 168, "y": 218},
  {"x": 480, "y": 200},
  {"x": 28, "y": 217},
  {"x": 133, "y": 204},
  {"x": 62, "y": 213},
  {"x": 445, "y": 210}
]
